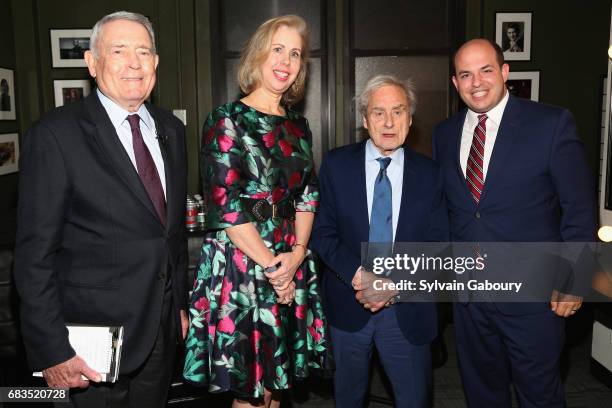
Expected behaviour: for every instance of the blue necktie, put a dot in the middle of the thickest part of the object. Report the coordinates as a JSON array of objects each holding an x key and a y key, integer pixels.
[{"x": 381, "y": 219}]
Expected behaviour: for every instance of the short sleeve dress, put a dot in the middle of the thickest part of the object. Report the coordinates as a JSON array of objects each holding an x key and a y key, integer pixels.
[{"x": 240, "y": 339}]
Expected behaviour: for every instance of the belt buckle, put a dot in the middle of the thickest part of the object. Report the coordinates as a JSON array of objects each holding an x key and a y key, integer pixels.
[
  {"x": 274, "y": 211},
  {"x": 257, "y": 210}
]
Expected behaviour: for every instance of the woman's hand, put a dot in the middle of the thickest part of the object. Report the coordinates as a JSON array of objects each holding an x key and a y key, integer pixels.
[
  {"x": 289, "y": 262},
  {"x": 286, "y": 296}
]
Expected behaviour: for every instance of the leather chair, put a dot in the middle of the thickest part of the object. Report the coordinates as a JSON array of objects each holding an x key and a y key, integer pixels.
[{"x": 9, "y": 334}]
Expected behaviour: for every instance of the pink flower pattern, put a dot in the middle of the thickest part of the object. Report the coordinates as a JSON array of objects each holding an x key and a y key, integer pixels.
[
  {"x": 285, "y": 147},
  {"x": 232, "y": 177},
  {"x": 225, "y": 143}
]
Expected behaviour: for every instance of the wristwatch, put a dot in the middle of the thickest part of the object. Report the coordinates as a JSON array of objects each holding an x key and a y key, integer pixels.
[{"x": 271, "y": 269}]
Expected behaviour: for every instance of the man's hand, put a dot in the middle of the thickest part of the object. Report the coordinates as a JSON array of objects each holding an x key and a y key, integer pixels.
[
  {"x": 68, "y": 374},
  {"x": 184, "y": 323},
  {"x": 565, "y": 305},
  {"x": 372, "y": 299}
]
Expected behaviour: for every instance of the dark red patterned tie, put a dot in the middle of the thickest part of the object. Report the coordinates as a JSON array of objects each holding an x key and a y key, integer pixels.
[
  {"x": 474, "y": 173},
  {"x": 147, "y": 170}
]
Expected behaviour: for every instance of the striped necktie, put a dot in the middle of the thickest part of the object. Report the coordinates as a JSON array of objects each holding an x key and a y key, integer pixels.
[{"x": 474, "y": 173}]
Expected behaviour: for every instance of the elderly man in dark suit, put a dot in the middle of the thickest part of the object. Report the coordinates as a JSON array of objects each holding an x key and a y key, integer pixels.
[
  {"x": 514, "y": 171},
  {"x": 378, "y": 190},
  {"x": 100, "y": 224}
]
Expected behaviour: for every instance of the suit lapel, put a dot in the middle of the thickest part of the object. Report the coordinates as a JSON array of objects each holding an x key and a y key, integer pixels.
[
  {"x": 107, "y": 139},
  {"x": 361, "y": 203},
  {"x": 164, "y": 135},
  {"x": 409, "y": 183},
  {"x": 503, "y": 145},
  {"x": 457, "y": 156}
]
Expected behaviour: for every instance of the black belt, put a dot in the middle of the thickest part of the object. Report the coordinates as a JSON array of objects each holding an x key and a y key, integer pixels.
[{"x": 262, "y": 210}]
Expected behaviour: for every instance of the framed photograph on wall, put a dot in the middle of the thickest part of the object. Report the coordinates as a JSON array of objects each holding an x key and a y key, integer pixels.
[
  {"x": 7, "y": 94},
  {"x": 68, "y": 47},
  {"x": 513, "y": 34},
  {"x": 524, "y": 84},
  {"x": 9, "y": 153},
  {"x": 70, "y": 90}
]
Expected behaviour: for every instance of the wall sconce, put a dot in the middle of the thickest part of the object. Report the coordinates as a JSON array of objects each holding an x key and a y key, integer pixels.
[
  {"x": 610, "y": 52},
  {"x": 605, "y": 233}
]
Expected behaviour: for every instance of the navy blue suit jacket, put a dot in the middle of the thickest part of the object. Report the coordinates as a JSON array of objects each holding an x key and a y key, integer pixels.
[
  {"x": 341, "y": 225},
  {"x": 538, "y": 186}
]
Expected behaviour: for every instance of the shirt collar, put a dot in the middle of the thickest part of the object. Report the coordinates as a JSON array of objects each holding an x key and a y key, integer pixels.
[
  {"x": 494, "y": 114},
  {"x": 118, "y": 115},
  {"x": 372, "y": 153}
]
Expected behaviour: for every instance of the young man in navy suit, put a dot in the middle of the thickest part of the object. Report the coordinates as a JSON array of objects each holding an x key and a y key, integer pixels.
[
  {"x": 514, "y": 171},
  {"x": 378, "y": 190}
]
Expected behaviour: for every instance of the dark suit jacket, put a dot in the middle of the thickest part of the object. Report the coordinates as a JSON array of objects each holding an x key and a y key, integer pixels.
[
  {"x": 341, "y": 225},
  {"x": 90, "y": 246},
  {"x": 538, "y": 186}
]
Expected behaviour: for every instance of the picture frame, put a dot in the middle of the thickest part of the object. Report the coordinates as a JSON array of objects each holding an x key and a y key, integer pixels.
[
  {"x": 524, "y": 84},
  {"x": 70, "y": 90},
  {"x": 9, "y": 153},
  {"x": 68, "y": 47},
  {"x": 7, "y": 94},
  {"x": 513, "y": 35}
]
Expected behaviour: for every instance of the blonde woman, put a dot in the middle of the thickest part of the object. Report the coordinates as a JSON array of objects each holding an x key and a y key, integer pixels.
[{"x": 256, "y": 316}]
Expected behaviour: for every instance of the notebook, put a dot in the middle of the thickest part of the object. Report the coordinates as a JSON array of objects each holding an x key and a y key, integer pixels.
[{"x": 99, "y": 346}]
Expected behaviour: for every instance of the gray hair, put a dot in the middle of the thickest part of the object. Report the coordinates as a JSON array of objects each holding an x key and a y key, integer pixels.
[
  {"x": 120, "y": 15},
  {"x": 379, "y": 81}
]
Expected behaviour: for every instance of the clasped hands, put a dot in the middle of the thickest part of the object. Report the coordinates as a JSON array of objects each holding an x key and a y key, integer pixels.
[
  {"x": 371, "y": 298},
  {"x": 282, "y": 278}
]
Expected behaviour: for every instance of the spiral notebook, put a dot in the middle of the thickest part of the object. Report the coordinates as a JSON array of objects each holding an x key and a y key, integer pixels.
[{"x": 99, "y": 346}]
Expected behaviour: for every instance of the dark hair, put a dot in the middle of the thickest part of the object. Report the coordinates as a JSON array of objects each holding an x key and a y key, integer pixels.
[
  {"x": 515, "y": 26},
  {"x": 499, "y": 53}
]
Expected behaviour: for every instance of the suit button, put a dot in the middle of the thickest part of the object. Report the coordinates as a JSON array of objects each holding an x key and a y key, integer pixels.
[
  {"x": 477, "y": 215},
  {"x": 161, "y": 276}
]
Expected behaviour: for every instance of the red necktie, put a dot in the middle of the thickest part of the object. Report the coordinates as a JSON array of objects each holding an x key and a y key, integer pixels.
[
  {"x": 147, "y": 170},
  {"x": 474, "y": 173}
]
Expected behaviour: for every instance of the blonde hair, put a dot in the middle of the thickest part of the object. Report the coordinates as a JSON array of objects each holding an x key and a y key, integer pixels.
[{"x": 257, "y": 49}]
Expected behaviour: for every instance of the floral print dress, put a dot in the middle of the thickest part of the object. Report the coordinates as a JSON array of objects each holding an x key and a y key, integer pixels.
[{"x": 240, "y": 339}]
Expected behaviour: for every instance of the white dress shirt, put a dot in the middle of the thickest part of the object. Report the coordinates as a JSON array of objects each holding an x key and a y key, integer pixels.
[
  {"x": 118, "y": 117},
  {"x": 494, "y": 117},
  {"x": 395, "y": 172}
]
